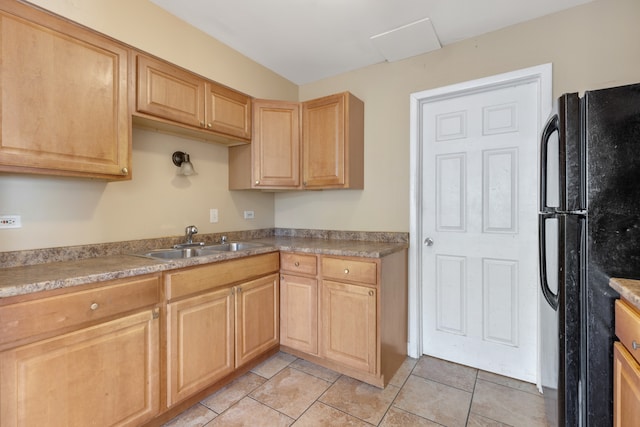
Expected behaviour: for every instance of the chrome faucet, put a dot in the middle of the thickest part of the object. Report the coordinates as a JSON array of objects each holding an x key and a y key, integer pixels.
[
  {"x": 189, "y": 232},
  {"x": 223, "y": 239},
  {"x": 188, "y": 237}
]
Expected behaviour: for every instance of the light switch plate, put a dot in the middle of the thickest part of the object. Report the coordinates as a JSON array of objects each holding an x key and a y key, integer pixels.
[
  {"x": 213, "y": 215},
  {"x": 249, "y": 215}
]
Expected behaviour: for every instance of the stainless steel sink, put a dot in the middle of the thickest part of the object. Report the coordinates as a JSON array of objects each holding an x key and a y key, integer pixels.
[
  {"x": 234, "y": 246},
  {"x": 183, "y": 253},
  {"x": 175, "y": 253}
]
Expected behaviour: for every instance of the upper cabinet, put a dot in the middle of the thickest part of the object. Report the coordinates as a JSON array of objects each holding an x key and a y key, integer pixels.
[
  {"x": 64, "y": 108},
  {"x": 69, "y": 97},
  {"x": 171, "y": 96},
  {"x": 273, "y": 159},
  {"x": 333, "y": 142},
  {"x": 317, "y": 144}
]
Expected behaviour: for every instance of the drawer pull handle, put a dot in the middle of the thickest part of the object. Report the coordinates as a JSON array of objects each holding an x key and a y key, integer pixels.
[
  {"x": 297, "y": 264},
  {"x": 94, "y": 306},
  {"x": 346, "y": 271},
  {"x": 635, "y": 345},
  {"x": 370, "y": 293}
]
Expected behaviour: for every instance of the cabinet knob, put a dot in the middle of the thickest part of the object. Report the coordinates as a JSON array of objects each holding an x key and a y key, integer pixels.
[
  {"x": 94, "y": 306},
  {"x": 202, "y": 124},
  {"x": 370, "y": 293},
  {"x": 304, "y": 183},
  {"x": 297, "y": 264},
  {"x": 239, "y": 289},
  {"x": 125, "y": 171},
  {"x": 209, "y": 125},
  {"x": 635, "y": 345},
  {"x": 257, "y": 182},
  {"x": 346, "y": 271}
]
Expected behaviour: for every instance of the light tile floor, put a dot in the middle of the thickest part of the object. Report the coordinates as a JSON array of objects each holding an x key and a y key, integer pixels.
[{"x": 287, "y": 391}]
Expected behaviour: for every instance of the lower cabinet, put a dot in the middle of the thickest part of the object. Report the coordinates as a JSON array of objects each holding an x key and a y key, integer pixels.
[
  {"x": 346, "y": 313},
  {"x": 102, "y": 375},
  {"x": 220, "y": 317},
  {"x": 82, "y": 356},
  {"x": 626, "y": 366},
  {"x": 349, "y": 325}
]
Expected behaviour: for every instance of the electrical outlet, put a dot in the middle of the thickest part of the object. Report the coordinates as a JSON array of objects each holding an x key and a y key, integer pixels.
[
  {"x": 213, "y": 215},
  {"x": 10, "y": 221},
  {"x": 249, "y": 215}
]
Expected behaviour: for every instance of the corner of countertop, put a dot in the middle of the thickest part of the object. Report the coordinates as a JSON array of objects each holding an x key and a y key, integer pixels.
[{"x": 629, "y": 289}]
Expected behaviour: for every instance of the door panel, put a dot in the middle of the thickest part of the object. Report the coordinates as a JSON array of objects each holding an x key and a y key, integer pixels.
[{"x": 480, "y": 229}]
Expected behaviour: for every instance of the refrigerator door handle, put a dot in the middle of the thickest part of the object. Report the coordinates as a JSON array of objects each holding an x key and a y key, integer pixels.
[
  {"x": 551, "y": 298},
  {"x": 551, "y": 126}
]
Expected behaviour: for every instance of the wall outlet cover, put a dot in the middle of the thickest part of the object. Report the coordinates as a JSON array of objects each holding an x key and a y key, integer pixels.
[{"x": 10, "y": 221}]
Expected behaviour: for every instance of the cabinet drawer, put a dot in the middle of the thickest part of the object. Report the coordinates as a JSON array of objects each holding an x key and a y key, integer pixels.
[
  {"x": 198, "y": 279},
  {"x": 628, "y": 328},
  {"x": 29, "y": 318},
  {"x": 350, "y": 270},
  {"x": 299, "y": 263}
]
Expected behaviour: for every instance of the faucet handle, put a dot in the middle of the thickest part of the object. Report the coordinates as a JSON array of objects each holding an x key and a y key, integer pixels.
[
  {"x": 191, "y": 229},
  {"x": 223, "y": 239}
]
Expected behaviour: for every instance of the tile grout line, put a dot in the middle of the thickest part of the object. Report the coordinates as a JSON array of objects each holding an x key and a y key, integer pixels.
[
  {"x": 473, "y": 393},
  {"x": 400, "y": 391}
]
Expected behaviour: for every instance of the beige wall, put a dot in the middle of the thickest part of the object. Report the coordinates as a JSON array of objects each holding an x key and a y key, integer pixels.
[
  {"x": 156, "y": 203},
  {"x": 592, "y": 46}
]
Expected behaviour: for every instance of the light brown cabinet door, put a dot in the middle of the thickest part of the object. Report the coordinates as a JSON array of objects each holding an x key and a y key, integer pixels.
[
  {"x": 349, "y": 325},
  {"x": 170, "y": 92},
  {"x": 200, "y": 333},
  {"x": 276, "y": 144},
  {"x": 228, "y": 112},
  {"x": 333, "y": 142},
  {"x": 177, "y": 96},
  {"x": 299, "y": 313},
  {"x": 64, "y": 108},
  {"x": 103, "y": 375},
  {"x": 626, "y": 388},
  {"x": 257, "y": 326}
]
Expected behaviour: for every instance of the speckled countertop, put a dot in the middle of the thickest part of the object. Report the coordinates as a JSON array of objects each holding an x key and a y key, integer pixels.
[
  {"x": 628, "y": 289},
  {"x": 55, "y": 275}
]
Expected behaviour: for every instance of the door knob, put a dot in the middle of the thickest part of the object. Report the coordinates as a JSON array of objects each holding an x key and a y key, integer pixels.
[{"x": 428, "y": 241}]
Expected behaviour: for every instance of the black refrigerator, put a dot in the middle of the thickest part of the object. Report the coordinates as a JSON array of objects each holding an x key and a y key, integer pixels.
[{"x": 589, "y": 225}]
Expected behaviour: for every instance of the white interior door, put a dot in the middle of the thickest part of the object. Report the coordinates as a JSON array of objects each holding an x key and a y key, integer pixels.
[{"x": 479, "y": 229}]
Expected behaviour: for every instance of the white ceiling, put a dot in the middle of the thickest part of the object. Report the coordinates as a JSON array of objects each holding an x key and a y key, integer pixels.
[{"x": 307, "y": 40}]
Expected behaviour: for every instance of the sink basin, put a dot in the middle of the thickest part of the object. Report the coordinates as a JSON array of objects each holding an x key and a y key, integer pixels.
[
  {"x": 234, "y": 246},
  {"x": 183, "y": 253},
  {"x": 176, "y": 253}
]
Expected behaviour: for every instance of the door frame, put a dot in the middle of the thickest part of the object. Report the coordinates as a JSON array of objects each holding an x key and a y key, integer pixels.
[{"x": 542, "y": 76}]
